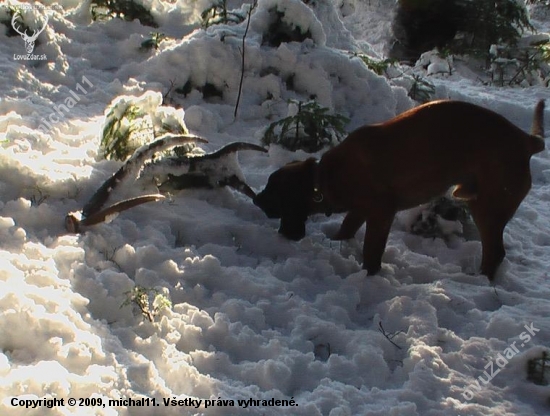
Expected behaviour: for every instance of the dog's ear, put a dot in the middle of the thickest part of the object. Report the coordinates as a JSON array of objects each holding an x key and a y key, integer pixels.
[
  {"x": 276, "y": 191},
  {"x": 301, "y": 176}
]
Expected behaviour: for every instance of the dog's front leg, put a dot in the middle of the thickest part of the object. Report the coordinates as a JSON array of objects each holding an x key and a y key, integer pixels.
[
  {"x": 352, "y": 222},
  {"x": 378, "y": 228}
]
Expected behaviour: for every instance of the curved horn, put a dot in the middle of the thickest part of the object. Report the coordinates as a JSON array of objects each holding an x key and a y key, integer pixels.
[
  {"x": 232, "y": 148},
  {"x": 165, "y": 142},
  {"x": 74, "y": 220},
  {"x": 119, "y": 207},
  {"x": 132, "y": 166}
]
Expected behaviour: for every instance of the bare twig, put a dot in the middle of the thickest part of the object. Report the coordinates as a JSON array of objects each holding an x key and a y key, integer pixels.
[
  {"x": 37, "y": 200},
  {"x": 249, "y": 13},
  {"x": 166, "y": 95},
  {"x": 389, "y": 336}
]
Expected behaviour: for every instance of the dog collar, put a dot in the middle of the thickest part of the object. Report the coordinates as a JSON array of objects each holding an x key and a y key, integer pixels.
[{"x": 317, "y": 194}]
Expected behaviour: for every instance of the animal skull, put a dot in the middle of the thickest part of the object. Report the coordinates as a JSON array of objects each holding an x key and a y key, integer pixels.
[{"x": 29, "y": 40}]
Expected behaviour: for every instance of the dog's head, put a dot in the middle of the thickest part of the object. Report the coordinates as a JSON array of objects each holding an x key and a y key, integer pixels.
[{"x": 288, "y": 195}]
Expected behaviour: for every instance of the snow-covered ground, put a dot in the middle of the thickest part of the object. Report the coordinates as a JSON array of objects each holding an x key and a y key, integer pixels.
[{"x": 254, "y": 317}]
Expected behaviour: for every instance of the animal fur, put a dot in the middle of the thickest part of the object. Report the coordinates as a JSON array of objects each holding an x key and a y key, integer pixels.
[{"x": 381, "y": 169}]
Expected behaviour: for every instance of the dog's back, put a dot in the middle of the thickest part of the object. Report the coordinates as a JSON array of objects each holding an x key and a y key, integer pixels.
[
  {"x": 424, "y": 151},
  {"x": 456, "y": 124}
]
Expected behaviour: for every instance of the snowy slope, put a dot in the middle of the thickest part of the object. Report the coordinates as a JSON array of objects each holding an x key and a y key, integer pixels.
[{"x": 254, "y": 316}]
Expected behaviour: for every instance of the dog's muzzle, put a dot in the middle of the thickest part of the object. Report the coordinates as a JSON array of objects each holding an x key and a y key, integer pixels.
[
  {"x": 268, "y": 204},
  {"x": 291, "y": 227}
]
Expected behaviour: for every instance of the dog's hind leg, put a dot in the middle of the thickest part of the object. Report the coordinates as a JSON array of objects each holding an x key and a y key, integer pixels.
[
  {"x": 491, "y": 228},
  {"x": 491, "y": 212},
  {"x": 376, "y": 236},
  {"x": 351, "y": 224}
]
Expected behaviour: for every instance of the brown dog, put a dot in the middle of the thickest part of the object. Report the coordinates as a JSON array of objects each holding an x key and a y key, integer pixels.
[{"x": 384, "y": 168}]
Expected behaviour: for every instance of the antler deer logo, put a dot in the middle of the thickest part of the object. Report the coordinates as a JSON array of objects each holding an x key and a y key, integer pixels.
[{"x": 29, "y": 40}]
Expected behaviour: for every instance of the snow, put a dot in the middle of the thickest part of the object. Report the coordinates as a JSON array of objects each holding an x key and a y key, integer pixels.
[{"x": 253, "y": 316}]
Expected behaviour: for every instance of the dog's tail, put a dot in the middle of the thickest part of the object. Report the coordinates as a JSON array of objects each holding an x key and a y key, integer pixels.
[{"x": 536, "y": 142}]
